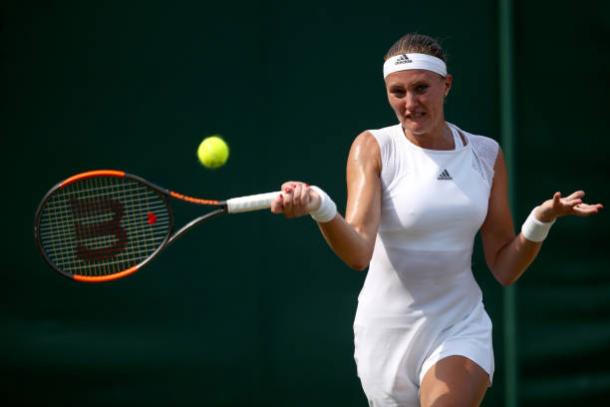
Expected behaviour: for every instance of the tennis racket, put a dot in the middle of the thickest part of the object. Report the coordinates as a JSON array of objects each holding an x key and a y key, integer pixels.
[{"x": 103, "y": 225}]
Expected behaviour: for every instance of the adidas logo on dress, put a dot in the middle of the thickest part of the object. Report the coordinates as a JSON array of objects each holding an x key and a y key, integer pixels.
[{"x": 444, "y": 176}]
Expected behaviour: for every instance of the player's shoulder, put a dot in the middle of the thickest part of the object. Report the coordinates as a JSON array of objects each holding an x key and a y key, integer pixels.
[
  {"x": 481, "y": 140},
  {"x": 477, "y": 139},
  {"x": 365, "y": 144},
  {"x": 385, "y": 132},
  {"x": 486, "y": 150},
  {"x": 378, "y": 138},
  {"x": 370, "y": 146},
  {"x": 480, "y": 143}
]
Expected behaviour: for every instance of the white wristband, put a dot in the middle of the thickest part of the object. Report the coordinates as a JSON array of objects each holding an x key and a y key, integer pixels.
[
  {"x": 327, "y": 210},
  {"x": 535, "y": 230}
]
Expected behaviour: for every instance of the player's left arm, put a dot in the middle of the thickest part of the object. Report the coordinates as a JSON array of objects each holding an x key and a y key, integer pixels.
[{"x": 508, "y": 254}]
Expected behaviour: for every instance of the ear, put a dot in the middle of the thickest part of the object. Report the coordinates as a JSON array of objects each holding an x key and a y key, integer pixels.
[{"x": 448, "y": 82}]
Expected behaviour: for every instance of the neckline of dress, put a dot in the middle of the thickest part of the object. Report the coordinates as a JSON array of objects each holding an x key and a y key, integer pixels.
[{"x": 457, "y": 141}]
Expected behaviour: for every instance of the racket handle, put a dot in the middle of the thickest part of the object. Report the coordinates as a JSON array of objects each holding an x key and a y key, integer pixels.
[{"x": 251, "y": 202}]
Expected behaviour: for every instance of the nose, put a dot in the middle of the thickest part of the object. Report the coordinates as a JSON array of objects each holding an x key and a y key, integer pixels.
[{"x": 410, "y": 101}]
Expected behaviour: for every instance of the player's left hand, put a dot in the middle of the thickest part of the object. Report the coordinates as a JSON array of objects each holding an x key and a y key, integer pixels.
[{"x": 572, "y": 204}]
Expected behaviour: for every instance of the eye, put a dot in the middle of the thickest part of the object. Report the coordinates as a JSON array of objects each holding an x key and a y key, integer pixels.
[
  {"x": 397, "y": 91},
  {"x": 421, "y": 88}
]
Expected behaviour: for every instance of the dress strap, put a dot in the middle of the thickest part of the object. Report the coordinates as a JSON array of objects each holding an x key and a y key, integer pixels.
[{"x": 459, "y": 139}]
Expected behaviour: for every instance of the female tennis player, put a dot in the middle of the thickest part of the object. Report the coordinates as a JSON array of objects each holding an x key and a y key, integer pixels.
[{"x": 418, "y": 192}]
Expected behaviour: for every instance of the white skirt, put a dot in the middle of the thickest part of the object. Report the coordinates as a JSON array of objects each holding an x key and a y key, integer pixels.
[{"x": 392, "y": 358}]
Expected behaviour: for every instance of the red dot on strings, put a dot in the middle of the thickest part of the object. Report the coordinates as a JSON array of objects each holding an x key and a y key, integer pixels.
[{"x": 152, "y": 218}]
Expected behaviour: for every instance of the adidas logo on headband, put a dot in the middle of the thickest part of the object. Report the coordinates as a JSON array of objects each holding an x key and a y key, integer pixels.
[{"x": 403, "y": 59}]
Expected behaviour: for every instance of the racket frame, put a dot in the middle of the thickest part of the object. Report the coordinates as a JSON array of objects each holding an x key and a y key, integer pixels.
[{"x": 170, "y": 237}]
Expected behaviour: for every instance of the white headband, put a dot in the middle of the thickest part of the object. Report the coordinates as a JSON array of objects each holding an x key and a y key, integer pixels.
[{"x": 404, "y": 62}]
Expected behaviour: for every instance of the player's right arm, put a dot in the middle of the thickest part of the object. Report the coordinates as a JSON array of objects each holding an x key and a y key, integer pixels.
[{"x": 352, "y": 238}]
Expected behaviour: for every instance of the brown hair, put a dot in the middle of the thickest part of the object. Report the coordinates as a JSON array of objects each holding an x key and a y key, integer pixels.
[{"x": 418, "y": 43}]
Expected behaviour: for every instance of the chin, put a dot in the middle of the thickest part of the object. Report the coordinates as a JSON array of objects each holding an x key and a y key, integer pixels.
[{"x": 417, "y": 127}]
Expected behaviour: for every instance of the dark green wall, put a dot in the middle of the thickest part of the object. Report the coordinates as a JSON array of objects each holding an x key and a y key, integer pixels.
[
  {"x": 253, "y": 309},
  {"x": 563, "y": 84}
]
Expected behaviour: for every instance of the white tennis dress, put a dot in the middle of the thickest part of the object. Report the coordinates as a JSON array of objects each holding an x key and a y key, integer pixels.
[{"x": 420, "y": 301}]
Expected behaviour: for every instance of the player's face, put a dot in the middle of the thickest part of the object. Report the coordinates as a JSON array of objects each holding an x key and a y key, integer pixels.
[{"x": 417, "y": 98}]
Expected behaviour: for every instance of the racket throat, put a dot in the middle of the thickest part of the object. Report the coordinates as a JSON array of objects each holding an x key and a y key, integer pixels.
[{"x": 195, "y": 222}]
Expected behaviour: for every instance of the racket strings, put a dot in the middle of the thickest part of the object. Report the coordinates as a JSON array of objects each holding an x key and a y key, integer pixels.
[
  {"x": 129, "y": 221},
  {"x": 103, "y": 225}
]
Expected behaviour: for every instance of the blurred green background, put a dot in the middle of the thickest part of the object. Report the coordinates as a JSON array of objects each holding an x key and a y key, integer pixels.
[{"x": 254, "y": 310}]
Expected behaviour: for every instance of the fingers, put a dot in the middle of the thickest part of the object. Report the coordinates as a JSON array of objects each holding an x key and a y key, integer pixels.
[
  {"x": 576, "y": 195},
  {"x": 564, "y": 205},
  {"x": 277, "y": 205},
  {"x": 584, "y": 209},
  {"x": 572, "y": 200},
  {"x": 299, "y": 194},
  {"x": 287, "y": 200},
  {"x": 294, "y": 199},
  {"x": 573, "y": 205}
]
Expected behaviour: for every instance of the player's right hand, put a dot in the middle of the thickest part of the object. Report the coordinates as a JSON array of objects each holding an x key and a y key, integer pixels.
[{"x": 297, "y": 199}]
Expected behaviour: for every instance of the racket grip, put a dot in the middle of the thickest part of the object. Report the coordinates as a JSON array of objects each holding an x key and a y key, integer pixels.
[{"x": 251, "y": 202}]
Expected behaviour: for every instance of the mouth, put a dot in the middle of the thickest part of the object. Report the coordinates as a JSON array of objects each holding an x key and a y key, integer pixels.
[{"x": 415, "y": 116}]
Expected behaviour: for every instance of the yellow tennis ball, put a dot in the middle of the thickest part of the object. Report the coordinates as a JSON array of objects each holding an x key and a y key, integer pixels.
[{"x": 213, "y": 152}]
